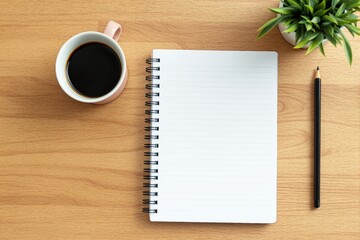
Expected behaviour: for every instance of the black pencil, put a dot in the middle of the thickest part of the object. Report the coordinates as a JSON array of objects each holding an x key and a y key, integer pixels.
[{"x": 317, "y": 134}]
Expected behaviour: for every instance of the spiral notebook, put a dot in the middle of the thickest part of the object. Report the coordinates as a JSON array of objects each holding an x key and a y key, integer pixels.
[{"x": 211, "y": 136}]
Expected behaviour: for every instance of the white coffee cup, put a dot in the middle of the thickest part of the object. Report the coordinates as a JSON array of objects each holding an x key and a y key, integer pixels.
[{"x": 110, "y": 37}]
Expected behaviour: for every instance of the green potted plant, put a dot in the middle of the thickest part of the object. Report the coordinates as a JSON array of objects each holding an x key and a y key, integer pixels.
[{"x": 311, "y": 23}]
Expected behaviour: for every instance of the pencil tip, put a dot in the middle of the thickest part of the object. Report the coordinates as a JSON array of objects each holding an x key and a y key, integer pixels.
[{"x": 317, "y": 72}]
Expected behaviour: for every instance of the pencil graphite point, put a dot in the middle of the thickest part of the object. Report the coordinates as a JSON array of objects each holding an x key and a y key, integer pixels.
[{"x": 318, "y": 68}]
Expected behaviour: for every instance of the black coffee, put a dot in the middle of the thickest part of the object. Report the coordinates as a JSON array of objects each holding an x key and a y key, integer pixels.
[{"x": 94, "y": 69}]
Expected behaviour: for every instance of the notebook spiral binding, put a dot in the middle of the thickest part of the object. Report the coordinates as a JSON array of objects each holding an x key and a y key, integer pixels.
[{"x": 151, "y": 162}]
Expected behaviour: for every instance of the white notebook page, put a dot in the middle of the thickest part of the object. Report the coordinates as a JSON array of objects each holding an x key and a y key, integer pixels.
[{"x": 217, "y": 136}]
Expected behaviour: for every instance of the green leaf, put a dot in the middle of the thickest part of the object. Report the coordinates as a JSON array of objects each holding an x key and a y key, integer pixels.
[
  {"x": 295, "y": 4},
  {"x": 283, "y": 10},
  {"x": 341, "y": 21},
  {"x": 303, "y": 31},
  {"x": 330, "y": 30},
  {"x": 325, "y": 24},
  {"x": 315, "y": 20},
  {"x": 264, "y": 29},
  {"x": 351, "y": 18},
  {"x": 297, "y": 36},
  {"x": 289, "y": 22},
  {"x": 316, "y": 25},
  {"x": 315, "y": 43},
  {"x": 331, "y": 39},
  {"x": 352, "y": 34},
  {"x": 338, "y": 39},
  {"x": 321, "y": 47},
  {"x": 330, "y": 19},
  {"x": 321, "y": 6},
  {"x": 312, "y": 3},
  {"x": 347, "y": 48},
  {"x": 311, "y": 36},
  {"x": 310, "y": 8},
  {"x": 321, "y": 12},
  {"x": 302, "y": 43},
  {"x": 308, "y": 26},
  {"x": 305, "y": 17},
  {"x": 344, "y": 14},
  {"x": 352, "y": 29},
  {"x": 308, "y": 37},
  {"x": 292, "y": 28},
  {"x": 352, "y": 4},
  {"x": 340, "y": 10},
  {"x": 334, "y": 3}
]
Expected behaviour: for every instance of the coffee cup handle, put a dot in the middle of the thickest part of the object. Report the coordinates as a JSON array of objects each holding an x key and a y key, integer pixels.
[{"x": 113, "y": 30}]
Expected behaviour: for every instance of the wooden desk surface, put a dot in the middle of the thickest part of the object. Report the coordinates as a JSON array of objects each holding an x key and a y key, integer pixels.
[{"x": 74, "y": 171}]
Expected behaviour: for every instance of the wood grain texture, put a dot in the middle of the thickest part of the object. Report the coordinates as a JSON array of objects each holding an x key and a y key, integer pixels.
[{"x": 74, "y": 171}]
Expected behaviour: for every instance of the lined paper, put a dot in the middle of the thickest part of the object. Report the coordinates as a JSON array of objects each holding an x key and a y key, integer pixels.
[{"x": 217, "y": 136}]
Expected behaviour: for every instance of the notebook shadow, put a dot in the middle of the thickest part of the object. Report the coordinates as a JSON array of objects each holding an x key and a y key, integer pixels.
[{"x": 204, "y": 229}]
